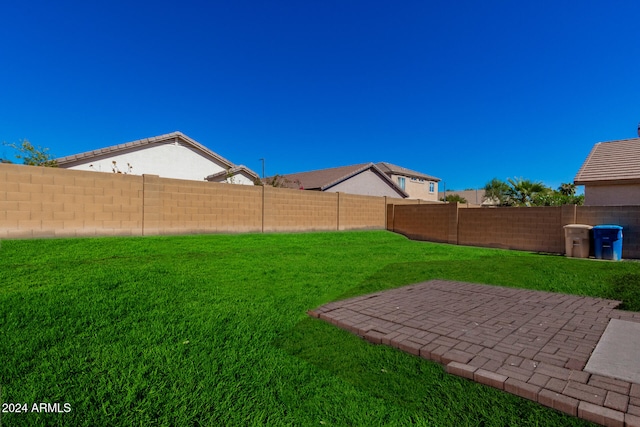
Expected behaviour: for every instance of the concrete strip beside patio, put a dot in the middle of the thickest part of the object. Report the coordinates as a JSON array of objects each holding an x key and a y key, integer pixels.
[{"x": 530, "y": 343}]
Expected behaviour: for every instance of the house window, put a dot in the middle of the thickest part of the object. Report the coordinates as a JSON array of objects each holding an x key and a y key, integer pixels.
[
  {"x": 401, "y": 182},
  {"x": 432, "y": 187}
]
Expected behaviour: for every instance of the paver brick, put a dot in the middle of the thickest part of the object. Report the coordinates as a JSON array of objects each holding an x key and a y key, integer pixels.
[
  {"x": 489, "y": 378},
  {"x": 493, "y": 355},
  {"x": 631, "y": 420},
  {"x": 551, "y": 359},
  {"x": 492, "y": 365},
  {"x": 478, "y": 361},
  {"x": 609, "y": 384},
  {"x": 529, "y": 343},
  {"x": 558, "y": 401},
  {"x": 633, "y": 409},
  {"x": 393, "y": 337},
  {"x": 616, "y": 401},
  {"x": 454, "y": 355},
  {"x": 374, "y": 337},
  {"x": 522, "y": 389},
  {"x": 515, "y": 372},
  {"x": 410, "y": 347},
  {"x": 539, "y": 380},
  {"x": 579, "y": 376},
  {"x": 529, "y": 365},
  {"x": 461, "y": 370},
  {"x": 528, "y": 353},
  {"x": 575, "y": 364},
  {"x": 585, "y": 392},
  {"x": 601, "y": 415},
  {"x": 425, "y": 352}
]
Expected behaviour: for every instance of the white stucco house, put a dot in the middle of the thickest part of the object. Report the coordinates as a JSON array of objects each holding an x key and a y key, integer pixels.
[{"x": 173, "y": 155}]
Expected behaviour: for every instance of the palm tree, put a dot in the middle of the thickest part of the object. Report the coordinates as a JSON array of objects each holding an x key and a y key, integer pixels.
[
  {"x": 495, "y": 191},
  {"x": 567, "y": 189},
  {"x": 523, "y": 191}
]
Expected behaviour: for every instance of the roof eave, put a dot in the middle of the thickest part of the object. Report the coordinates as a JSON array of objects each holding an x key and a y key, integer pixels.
[{"x": 629, "y": 181}]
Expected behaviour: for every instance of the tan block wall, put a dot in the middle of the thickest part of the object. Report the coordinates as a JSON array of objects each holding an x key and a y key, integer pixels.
[
  {"x": 50, "y": 202},
  {"x": 361, "y": 212},
  {"x": 534, "y": 229},
  {"x": 626, "y": 216},
  {"x": 174, "y": 206},
  {"x": 298, "y": 210},
  {"x": 432, "y": 222}
]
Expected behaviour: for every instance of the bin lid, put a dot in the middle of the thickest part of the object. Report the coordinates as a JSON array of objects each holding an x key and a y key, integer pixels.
[
  {"x": 607, "y": 227},
  {"x": 578, "y": 226}
]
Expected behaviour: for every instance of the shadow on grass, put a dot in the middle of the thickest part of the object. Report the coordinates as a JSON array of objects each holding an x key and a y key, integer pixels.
[{"x": 625, "y": 288}]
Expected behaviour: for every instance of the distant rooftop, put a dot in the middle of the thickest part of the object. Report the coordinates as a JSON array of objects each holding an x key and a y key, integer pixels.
[{"x": 399, "y": 170}]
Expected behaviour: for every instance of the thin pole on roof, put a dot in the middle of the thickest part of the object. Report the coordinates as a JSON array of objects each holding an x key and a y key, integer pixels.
[{"x": 262, "y": 160}]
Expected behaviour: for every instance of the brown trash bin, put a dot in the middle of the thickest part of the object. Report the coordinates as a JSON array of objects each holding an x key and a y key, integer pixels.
[{"x": 577, "y": 241}]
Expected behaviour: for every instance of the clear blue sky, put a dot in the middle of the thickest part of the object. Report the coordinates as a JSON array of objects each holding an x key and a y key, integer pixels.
[{"x": 462, "y": 90}]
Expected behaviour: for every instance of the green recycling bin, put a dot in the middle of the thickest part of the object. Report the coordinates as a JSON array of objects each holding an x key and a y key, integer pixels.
[{"x": 607, "y": 240}]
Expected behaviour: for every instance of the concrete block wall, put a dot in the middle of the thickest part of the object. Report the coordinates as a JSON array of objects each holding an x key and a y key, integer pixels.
[
  {"x": 626, "y": 216},
  {"x": 298, "y": 210},
  {"x": 535, "y": 229},
  {"x": 50, "y": 202},
  {"x": 432, "y": 222},
  {"x": 360, "y": 212},
  {"x": 174, "y": 206}
]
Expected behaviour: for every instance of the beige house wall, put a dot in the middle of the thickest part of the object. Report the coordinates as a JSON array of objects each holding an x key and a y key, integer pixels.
[
  {"x": 612, "y": 195},
  {"x": 417, "y": 189},
  {"x": 366, "y": 183}
]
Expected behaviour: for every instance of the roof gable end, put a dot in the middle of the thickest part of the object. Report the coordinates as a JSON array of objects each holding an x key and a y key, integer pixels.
[{"x": 140, "y": 143}]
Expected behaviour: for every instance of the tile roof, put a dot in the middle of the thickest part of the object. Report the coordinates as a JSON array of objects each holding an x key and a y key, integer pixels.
[
  {"x": 611, "y": 162},
  {"x": 326, "y": 178},
  {"x": 169, "y": 137},
  {"x": 399, "y": 170},
  {"x": 233, "y": 171}
]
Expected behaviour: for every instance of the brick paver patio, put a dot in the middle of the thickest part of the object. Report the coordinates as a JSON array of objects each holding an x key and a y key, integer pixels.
[{"x": 530, "y": 343}]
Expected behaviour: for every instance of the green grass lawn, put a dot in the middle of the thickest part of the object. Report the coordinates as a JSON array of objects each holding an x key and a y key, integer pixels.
[{"x": 212, "y": 330}]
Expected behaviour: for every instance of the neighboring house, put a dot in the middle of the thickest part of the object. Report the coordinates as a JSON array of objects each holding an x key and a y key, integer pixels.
[
  {"x": 417, "y": 185},
  {"x": 173, "y": 155},
  {"x": 611, "y": 174},
  {"x": 365, "y": 179},
  {"x": 473, "y": 197}
]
